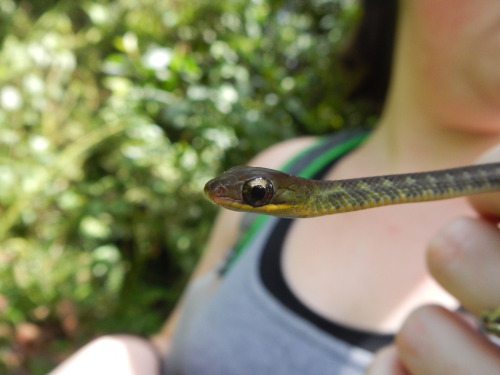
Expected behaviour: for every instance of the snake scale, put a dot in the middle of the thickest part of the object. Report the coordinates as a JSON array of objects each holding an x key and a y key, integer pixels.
[{"x": 271, "y": 192}]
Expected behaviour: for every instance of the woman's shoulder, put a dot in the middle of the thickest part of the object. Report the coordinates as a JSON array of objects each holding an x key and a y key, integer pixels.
[{"x": 277, "y": 155}]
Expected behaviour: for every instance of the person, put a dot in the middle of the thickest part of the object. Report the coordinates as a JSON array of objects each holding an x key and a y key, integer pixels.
[{"x": 323, "y": 295}]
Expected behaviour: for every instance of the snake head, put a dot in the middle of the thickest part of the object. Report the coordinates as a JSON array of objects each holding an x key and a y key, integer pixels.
[{"x": 253, "y": 189}]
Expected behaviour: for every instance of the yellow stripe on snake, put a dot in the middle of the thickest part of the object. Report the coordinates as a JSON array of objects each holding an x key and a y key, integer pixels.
[{"x": 271, "y": 192}]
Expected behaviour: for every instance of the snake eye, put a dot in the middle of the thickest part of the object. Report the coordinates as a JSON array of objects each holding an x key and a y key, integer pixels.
[{"x": 257, "y": 192}]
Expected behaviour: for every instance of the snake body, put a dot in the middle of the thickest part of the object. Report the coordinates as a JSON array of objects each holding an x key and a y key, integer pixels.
[{"x": 276, "y": 193}]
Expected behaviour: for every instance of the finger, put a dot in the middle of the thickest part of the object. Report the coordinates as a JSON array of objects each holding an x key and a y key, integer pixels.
[
  {"x": 465, "y": 259},
  {"x": 488, "y": 204},
  {"x": 386, "y": 362},
  {"x": 435, "y": 341}
]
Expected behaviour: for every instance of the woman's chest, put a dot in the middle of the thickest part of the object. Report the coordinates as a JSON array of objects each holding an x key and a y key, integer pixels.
[{"x": 367, "y": 268}]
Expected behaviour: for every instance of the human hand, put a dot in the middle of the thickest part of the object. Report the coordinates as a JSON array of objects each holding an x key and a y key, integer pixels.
[{"x": 464, "y": 258}]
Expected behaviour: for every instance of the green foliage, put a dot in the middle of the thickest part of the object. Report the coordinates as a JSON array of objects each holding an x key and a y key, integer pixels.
[{"x": 113, "y": 114}]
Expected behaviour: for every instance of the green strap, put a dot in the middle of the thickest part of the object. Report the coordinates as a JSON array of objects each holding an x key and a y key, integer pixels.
[{"x": 312, "y": 168}]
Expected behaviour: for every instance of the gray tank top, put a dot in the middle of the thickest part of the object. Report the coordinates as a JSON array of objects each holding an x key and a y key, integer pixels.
[{"x": 231, "y": 323}]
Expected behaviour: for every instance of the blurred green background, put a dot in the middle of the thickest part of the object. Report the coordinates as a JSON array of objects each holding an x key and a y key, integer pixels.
[{"x": 113, "y": 115}]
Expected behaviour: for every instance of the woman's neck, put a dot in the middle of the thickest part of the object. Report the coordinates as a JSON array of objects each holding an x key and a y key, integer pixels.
[{"x": 404, "y": 143}]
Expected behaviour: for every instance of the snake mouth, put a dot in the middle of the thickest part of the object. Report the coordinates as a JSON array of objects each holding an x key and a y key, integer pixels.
[
  {"x": 227, "y": 203},
  {"x": 222, "y": 201}
]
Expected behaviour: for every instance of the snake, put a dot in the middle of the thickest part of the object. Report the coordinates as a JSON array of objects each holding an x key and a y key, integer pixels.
[{"x": 272, "y": 192}]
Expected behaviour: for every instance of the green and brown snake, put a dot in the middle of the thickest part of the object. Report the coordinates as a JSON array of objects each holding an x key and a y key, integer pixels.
[{"x": 271, "y": 192}]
